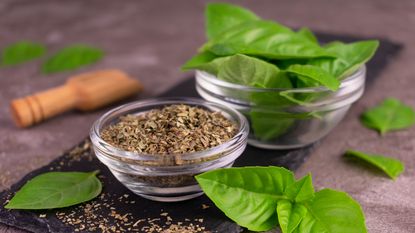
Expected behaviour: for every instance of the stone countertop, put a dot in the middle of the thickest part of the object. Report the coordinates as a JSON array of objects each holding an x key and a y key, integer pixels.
[{"x": 151, "y": 39}]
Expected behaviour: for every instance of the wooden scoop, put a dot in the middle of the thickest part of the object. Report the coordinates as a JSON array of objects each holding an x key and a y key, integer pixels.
[{"x": 85, "y": 92}]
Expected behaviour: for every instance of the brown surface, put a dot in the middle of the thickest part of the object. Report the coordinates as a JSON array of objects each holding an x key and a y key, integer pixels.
[{"x": 151, "y": 39}]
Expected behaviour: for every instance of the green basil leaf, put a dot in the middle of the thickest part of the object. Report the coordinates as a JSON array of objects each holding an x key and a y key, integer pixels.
[
  {"x": 261, "y": 197},
  {"x": 274, "y": 56},
  {"x": 290, "y": 215},
  {"x": 391, "y": 166},
  {"x": 221, "y": 16},
  {"x": 21, "y": 52},
  {"x": 390, "y": 115},
  {"x": 205, "y": 61},
  {"x": 350, "y": 57},
  {"x": 56, "y": 190},
  {"x": 332, "y": 211},
  {"x": 248, "y": 32},
  {"x": 316, "y": 74},
  {"x": 301, "y": 190},
  {"x": 71, "y": 58},
  {"x": 247, "y": 195},
  {"x": 300, "y": 98},
  {"x": 267, "y": 126},
  {"x": 304, "y": 97},
  {"x": 250, "y": 71},
  {"x": 307, "y": 34},
  {"x": 241, "y": 69},
  {"x": 264, "y": 39}
]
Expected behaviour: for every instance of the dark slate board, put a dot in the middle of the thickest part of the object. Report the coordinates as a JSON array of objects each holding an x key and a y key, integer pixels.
[{"x": 188, "y": 211}]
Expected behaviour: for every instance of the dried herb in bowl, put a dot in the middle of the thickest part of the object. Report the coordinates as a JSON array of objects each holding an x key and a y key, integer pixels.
[
  {"x": 174, "y": 129},
  {"x": 156, "y": 147}
]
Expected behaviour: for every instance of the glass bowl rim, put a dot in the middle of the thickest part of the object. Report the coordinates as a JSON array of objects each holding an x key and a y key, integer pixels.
[
  {"x": 123, "y": 155},
  {"x": 344, "y": 83}
]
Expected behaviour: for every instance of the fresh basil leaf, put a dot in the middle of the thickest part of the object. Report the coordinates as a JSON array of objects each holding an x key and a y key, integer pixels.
[
  {"x": 332, "y": 211},
  {"x": 248, "y": 32},
  {"x": 298, "y": 97},
  {"x": 290, "y": 215},
  {"x": 284, "y": 64},
  {"x": 391, "y": 166},
  {"x": 241, "y": 69},
  {"x": 316, "y": 74},
  {"x": 205, "y": 61},
  {"x": 349, "y": 57},
  {"x": 21, "y": 52},
  {"x": 390, "y": 115},
  {"x": 56, "y": 190},
  {"x": 307, "y": 34},
  {"x": 250, "y": 71},
  {"x": 264, "y": 39},
  {"x": 221, "y": 16},
  {"x": 268, "y": 126},
  {"x": 261, "y": 197},
  {"x": 71, "y": 58},
  {"x": 301, "y": 190},
  {"x": 303, "y": 95},
  {"x": 247, "y": 195},
  {"x": 214, "y": 66},
  {"x": 275, "y": 57}
]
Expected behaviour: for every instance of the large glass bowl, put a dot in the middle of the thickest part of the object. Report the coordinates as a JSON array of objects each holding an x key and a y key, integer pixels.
[
  {"x": 166, "y": 177},
  {"x": 285, "y": 118}
]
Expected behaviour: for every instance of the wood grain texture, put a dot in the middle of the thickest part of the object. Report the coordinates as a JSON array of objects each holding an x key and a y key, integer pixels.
[{"x": 151, "y": 39}]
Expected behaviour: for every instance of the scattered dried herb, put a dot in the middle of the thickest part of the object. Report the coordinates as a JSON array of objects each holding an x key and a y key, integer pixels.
[
  {"x": 103, "y": 216},
  {"x": 174, "y": 129}
]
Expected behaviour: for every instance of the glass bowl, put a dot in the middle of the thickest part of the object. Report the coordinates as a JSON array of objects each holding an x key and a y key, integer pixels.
[
  {"x": 166, "y": 177},
  {"x": 285, "y": 118}
]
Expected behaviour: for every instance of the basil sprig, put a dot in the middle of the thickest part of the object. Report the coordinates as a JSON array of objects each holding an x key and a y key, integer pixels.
[{"x": 262, "y": 198}]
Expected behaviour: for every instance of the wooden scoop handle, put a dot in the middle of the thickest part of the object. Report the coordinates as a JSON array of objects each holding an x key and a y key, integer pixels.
[
  {"x": 85, "y": 92},
  {"x": 35, "y": 108}
]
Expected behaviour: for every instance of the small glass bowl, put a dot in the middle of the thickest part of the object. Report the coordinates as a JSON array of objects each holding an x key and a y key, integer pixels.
[
  {"x": 166, "y": 177},
  {"x": 285, "y": 118}
]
